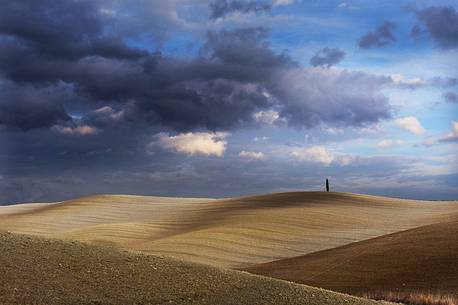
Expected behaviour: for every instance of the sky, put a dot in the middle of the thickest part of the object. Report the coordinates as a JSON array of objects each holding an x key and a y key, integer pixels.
[{"x": 222, "y": 98}]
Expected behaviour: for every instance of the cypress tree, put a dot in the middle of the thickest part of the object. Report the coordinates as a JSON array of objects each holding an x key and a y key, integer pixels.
[{"x": 327, "y": 185}]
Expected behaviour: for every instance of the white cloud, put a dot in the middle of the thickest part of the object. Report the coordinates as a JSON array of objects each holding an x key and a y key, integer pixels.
[
  {"x": 387, "y": 143},
  {"x": 318, "y": 154},
  {"x": 198, "y": 143},
  {"x": 252, "y": 155},
  {"x": 452, "y": 135},
  {"x": 267, "y": 117},
  {"x": 82, "y": 130},
  {"x": 107, "y": 11},
  {"x": 257, "y": 139},
  {"x": 345, "y": 5},
  {"x": 371, "y": 130},
  {"x": 411, "y": 124},
  {"x": 334, "y": 131},
  {"x": 110, "y": 113},
  {"x": 410, "y": 83},
  {"x": 282, "y": 2},
  {"x": 345, "y": 160}
]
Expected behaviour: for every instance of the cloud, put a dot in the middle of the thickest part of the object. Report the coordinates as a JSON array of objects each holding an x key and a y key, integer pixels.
[
  {"x": 98, "y": 68},
  {"x": 410, "y": 83},
  {"x": 327, "y": 57},
  {"x": 416, "y": 31},
  {"x": 235, "y": 75},
  {"x": 268, "y": 117},
  {"x": 282, "y": 2},
  {"x": 382, "y": 36},
  {"x": 105, "y": 116},
  {"x": 221, "y": 8},
  {"x": 258, "y": 139},
  {"x": 197, "y": 143},
  {"x": 108, "y": 112},
  {"x": 451, "y": 97},
  {"x": 59, "y": 34},
  {"x": 345, "y": 5},
  {"x": 410, "y": 124},
  {"x": 449, "y": 137},
  {"x": 345, "y": 160},
  {"x": 81, "y": 130},
  {"x": 429, "y": 142},
  {"x": 246, "y": 47},
  {"x": 387, "y": 143},
  {"x": 452, "y": 135},
  {"x": 252, "y": 155},
  {"x": 27, "y": 107},
  {"x": 217, "y": 91},
  {"x": 444, "y": 82},
  {"x": 442, "y": 25},
  {"x": 334, "y": 97},
  {"x": 318, "y": 154},
  {"x": 342, "y": 5},
  {"x": 334, "y": 131}
]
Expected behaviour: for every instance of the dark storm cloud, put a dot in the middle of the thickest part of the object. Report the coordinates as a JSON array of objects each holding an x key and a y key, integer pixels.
[
  {"x": 217, "y": 91},
  {"x": 442, "y": 25},
  {"x": 327, "y": 57},
  {"x": 246, "y": 47},
  {"x": 63, "y": 29},
  {"x": 221, "y": 8},
  {"x": 25, "y": 108},
  {"x": 235, "y": 75},
  {"x": 382, "y": 36},
  {"x": 55, "y": 40},
  {"x": 451, "y": 97}
]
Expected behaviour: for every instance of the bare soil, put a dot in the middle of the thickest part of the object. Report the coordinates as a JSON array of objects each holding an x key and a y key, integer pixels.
[
  {"x": 420, "y": 260},
  {"x": 35, "y": 270}
]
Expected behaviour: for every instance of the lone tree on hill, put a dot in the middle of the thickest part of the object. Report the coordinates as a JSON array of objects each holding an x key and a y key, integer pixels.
[{"x": 327, "y": 185}]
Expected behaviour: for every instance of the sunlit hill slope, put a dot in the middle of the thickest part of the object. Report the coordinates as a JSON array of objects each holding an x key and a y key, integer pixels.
[{"x": 236, "y": 232}]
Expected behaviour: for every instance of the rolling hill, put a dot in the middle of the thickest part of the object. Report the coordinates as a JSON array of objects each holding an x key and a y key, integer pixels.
[
  {"x": 235, "y": 232},
  {"x": 41, "y": 271},
  {"x": 423, "y": 259}
]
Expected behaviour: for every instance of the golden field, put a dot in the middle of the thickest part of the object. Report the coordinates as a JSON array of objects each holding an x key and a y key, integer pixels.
[
  {"x": 345, "y": 242},
  {"x": 229, "y": 233}
]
